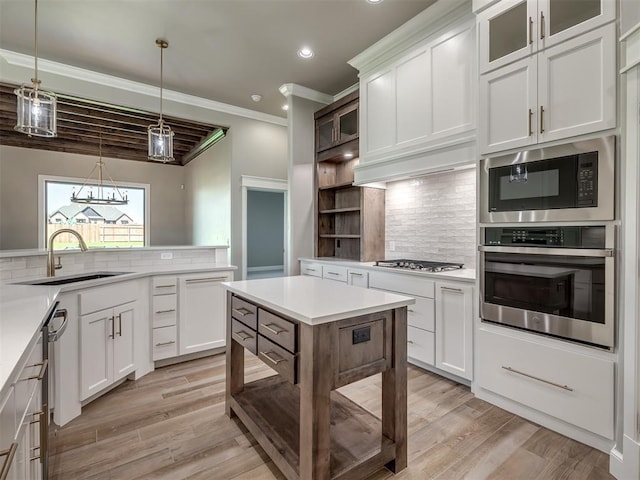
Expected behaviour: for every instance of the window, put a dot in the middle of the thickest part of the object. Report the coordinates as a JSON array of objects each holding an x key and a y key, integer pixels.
[{"x": 99, "y": 225}]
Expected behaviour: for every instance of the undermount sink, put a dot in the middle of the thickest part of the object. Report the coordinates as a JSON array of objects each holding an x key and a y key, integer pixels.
[{"x": 72, "y": 279}]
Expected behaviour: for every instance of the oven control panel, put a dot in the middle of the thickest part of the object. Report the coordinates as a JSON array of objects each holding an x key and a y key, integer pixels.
[
  {"x": 587, "y": 181},
  {"x": 562, "y": 237}
]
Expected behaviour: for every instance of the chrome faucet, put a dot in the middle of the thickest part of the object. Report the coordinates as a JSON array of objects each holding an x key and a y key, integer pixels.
[{"x": 51, "y": 266}]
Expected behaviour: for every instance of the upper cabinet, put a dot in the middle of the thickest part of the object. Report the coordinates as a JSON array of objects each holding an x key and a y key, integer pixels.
[
  {"x": 514, "y": 29},
  {"x": 417, "y": 96},
  {"x": 548, "y": 71},
  {"x": 337, "y": 129}
]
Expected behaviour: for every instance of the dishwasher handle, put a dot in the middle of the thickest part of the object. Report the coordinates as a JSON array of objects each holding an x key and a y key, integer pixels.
[{"x": 54, "y": 335}]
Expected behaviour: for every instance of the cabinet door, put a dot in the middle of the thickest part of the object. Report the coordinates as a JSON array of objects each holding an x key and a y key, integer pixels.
[
  {"x": 346, "y": 123},
  {"x": 413, "y": 108},
  {"x": 560, "y": 20},
  {"x": 96, "y": 352},
  {"x": 508, "y": 105},
  {"x": 454, "y": 324},
  {"x": 420, "y": 345},
  {"x": 324, "y": 133},
  {"x": 507, "y": 32},
  {"x": 378, "y": 94},
  {"x": 123, "y": 358},
  {"x": 202, "y": 322},
  {"x": 577, "y": 86}
]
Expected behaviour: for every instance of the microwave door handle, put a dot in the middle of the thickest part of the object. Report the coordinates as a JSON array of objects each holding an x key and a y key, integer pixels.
[{"x": 578, "y": 252}]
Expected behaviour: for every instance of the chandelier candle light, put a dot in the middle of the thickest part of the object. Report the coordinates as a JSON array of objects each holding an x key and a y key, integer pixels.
[
  {"x": 101, "y": 198},
  {"x": 36, "y": 109},
  {"x": 160, "y": 135}
]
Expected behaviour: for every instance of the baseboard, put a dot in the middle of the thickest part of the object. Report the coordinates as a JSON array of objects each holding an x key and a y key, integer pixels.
[
  {"x": 437, "y": 371},
  {"x": 264, "y": 269},
  {"x": 627, "y": 466},
  {"x": 189, "y": 356}
]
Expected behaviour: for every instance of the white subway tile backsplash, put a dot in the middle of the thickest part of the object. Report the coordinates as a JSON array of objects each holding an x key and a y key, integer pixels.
[{"x": 433, "y": 218}]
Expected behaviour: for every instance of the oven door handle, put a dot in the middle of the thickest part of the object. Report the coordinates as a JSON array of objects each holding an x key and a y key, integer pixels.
[{"x": 577, "y": 252}]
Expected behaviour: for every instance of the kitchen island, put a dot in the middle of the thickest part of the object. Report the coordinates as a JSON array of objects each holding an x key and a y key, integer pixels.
[{"x": 318, "y": 336}]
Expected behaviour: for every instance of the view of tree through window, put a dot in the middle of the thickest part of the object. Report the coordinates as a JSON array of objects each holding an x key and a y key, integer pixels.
[{"x": 101, "y": 226}]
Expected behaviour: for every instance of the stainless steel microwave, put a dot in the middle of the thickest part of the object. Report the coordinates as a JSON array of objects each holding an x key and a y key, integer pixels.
[{"x": 574, "y": 181}]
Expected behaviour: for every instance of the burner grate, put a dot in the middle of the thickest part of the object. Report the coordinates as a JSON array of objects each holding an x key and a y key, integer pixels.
[{"x": 420, "y": 265}]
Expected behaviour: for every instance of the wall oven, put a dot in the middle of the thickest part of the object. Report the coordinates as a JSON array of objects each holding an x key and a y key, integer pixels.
[
  {"x": 571, "y": 182},
  {"x": 555, "y": 280}
]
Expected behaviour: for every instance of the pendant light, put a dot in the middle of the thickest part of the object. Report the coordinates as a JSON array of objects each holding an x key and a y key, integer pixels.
[
  {"x": 36, "y": 109},
  {"x": 116, "y": 197},
  {"x": 160, "y": 135}
]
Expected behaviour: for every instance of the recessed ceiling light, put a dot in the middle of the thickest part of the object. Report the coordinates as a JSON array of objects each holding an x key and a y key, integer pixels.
[
  {"x": 374, "y": 1},
  {"x": 285, "y": 107},
  {"x": 256, "y": 98},
  {"x": 348, "y": 155},
  {"x": 305, "y": 52}
]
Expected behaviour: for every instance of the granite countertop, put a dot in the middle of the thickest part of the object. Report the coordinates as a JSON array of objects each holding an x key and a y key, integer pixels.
[{"x": 314, "y": 301}]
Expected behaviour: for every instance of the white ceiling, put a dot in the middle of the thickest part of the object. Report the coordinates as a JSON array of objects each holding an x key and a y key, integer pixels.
[{"x": 222, "y": 50}]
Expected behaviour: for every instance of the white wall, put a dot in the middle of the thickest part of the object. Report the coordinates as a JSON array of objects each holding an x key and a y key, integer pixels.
[
  {"x": 432, "y": 218},
  {"x": 19, "y": 170}
]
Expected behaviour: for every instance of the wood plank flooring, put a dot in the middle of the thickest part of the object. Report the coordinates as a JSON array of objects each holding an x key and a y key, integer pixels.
[{"x": 171, "y": 425}]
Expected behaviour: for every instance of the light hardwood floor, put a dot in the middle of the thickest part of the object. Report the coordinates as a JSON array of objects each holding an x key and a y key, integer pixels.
[{"x": 171, "y": 425}]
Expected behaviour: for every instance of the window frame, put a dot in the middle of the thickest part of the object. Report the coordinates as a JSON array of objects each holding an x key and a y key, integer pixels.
[{"x": 42, "y": 203}]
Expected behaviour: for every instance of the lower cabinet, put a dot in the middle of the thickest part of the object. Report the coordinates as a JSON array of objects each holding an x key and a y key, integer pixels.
[
  {"x": 201, "y": 311},
  {"x": 454, "y": 326},
  {"x": 575, "y": 387},
  {"x": 359, "y": 278},
  {"x": 106, "y": 348}
]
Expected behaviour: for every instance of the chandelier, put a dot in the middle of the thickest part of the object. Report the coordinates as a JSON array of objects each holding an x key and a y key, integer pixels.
[
  {"x": 36, "y": 109},
  {"x": 160, "y": 135},
  {"x": 105, "y": 194}
]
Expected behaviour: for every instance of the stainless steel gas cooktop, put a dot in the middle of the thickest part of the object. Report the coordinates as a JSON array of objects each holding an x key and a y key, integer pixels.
[{"x": 420, "y": 265}]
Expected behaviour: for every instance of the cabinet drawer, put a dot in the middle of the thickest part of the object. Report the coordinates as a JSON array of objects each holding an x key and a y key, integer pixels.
[
  {"x": 331, "y": 272},
  {"x": 363, "y": 345},
  {"x": 421, "y": 345},
  {"x": 283, "y": 362},
  {"x": 407, "y": 284},
  {"x": 576, "y": 388},
  {"x": 245, "y": 336},
  {"x": 164, "y": 310},
  {"x": 279, "y": 330},
  {"x": 422, "y": 314},
  {"x": 309, "y": 268},
  {"x": 165, "y": 342},
  {"x": 245, "y": 312},
  {"x": 101, "y": 298},
  {"x": 164, "y": 285},
  {"x": 359, "y": 278}
]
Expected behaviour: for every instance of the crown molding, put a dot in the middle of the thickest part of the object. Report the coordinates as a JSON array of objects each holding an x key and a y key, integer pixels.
[
  {"x": 293, "y": 89},
  {"x": 415, "y": 30},
  {"x": 68, "y": 71},
  {"x": 346, "y": 91}
]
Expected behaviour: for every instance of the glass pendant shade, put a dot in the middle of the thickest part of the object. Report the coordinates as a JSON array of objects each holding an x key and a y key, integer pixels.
[
  {"x": 36, "y": 112},
  {"x": 160, "y": 143}
]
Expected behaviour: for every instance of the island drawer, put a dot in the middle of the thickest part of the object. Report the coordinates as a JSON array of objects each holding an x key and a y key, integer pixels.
[
  {"x": 283, "y": 362},
  {"x": 164, "y": 310},
  {"x": 245, "y": 336},
  {"x": 277, "y": 329},
  {"x": 245, "y": 312}
]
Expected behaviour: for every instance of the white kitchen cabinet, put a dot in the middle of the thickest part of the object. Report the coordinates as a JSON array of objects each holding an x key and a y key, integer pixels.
[
  {"x": 564, "y": 91},
  {"x": 357, "y": 277},
  {"x": 106, "y": 348},
  {"x": 310, "y": 268},
  {"x": 420, "y": 98},
  {"x": 514, "y": 29},
  {"x": 201, "y": 317},
  {"x": 334, "y": 272},
  {"x": 454, "y": 326},
  {"x": 164, "y": 316},
  {"x": 574, "y": 385}
]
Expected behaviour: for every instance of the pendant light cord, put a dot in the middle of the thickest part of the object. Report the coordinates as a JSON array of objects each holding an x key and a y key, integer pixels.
[
  {"x": 35, "y": 36},
  {"x": 161, "y": 82}
]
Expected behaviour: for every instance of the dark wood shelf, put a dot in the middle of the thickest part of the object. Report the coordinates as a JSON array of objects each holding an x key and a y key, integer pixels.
[
  {"x": 337, "y": 186},
  {"x": 356, "y": 434},
  {"x": 341, "y": 210},
  {"x": 333, "y": 235}
]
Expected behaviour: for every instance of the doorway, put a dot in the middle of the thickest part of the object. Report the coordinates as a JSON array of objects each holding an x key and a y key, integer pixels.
[{"x": 265, "y": 228}]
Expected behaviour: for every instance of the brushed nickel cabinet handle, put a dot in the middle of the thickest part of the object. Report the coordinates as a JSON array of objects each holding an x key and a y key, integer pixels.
[
  {"x": 119, "y": 324},
  {"x": 243, "y": 312},
  {"x": 10, "y": 453},
  {"x": 166, "y": 286},
  {"x": 270, "y": 356},
  {"x": 541, "y": 119},
  {"x": 243, "y": 335},
  {"x": 451, "y": 289},
  {"x": 166, "y": 311},
  {"x": 310, "y": 269},
  {"x": 273, "y": 330},
  {"x": 530, "y": 122},
  {"x": 55, "y": 334},
  {"x": 356, "y": 274},
  {"x": 205, "y": 280},
  {"x": 542, "y": 25},
  {"x": 333, "y": 273},
  {"x": 513, "y": 370},
  {"x": 162, "y": 344},
  {"x": 113, "y": 327},
  {"x": 410, "y": 342},
  {"x": 411, "y": 310},
  {"x": 530, "y": 30}
]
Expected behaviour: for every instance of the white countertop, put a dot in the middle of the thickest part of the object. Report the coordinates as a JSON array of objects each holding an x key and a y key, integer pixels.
[
  {"x": 462, "y": 274},
  {"x": 28, "y": 252},
  {"x": 313, "y": 300}
]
